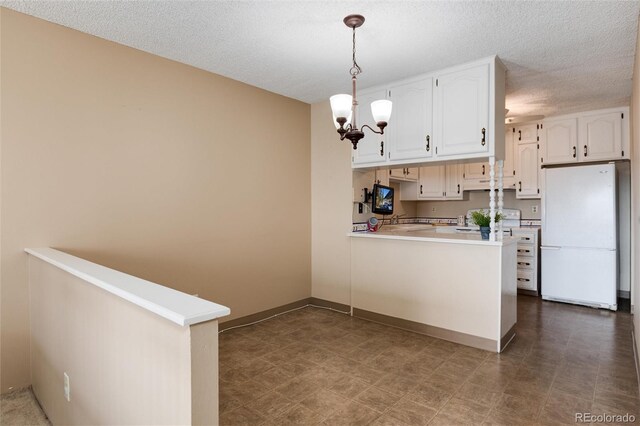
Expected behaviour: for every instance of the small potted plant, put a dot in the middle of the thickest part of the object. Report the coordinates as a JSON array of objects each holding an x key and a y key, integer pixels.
[{"x": 483, "y": 220}]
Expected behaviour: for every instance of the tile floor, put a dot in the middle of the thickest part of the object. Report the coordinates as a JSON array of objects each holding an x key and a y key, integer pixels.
[{"x": 315, "y": 366}]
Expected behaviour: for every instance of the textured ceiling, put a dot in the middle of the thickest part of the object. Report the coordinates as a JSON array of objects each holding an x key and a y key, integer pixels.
[{"x": 562, "y": 56}]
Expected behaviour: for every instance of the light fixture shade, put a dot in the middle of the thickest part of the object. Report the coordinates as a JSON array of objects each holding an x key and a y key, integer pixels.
[
  {"x": 381, "y": 110},
  {"x": 335, "y": 122},
  {"x": 341, "y": 105}
]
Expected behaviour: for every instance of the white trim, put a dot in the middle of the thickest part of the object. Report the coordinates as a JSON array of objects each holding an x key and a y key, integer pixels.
[{"x": 178, "y": 307}]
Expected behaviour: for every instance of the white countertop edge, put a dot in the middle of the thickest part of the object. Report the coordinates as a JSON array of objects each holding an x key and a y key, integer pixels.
[
  {"x": 176, "y": 306},
  {"x": 507, "y": 240}
]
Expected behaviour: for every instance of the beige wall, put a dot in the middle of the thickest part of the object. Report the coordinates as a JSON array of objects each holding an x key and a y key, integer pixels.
[
  {"x": 635, "y": 193},
  {"x": 125, "y": 364},
  {"x": 148, "y": 166},
  {"x": 331, "y": 208}
]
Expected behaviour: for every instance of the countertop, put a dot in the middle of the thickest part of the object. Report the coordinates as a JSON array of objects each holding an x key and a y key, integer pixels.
[
  {"x": 436, "y": 234},
  {"x": 183, "y": 309}
]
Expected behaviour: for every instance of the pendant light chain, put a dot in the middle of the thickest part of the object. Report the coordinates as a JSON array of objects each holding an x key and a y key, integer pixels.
[{"x": 355, "y": 69}]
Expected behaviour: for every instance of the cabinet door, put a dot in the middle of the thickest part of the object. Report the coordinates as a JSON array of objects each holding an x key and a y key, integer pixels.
[
  {"x": 600, "y": 137},
  {"x": 371, "y": 148},
  {"x": 411, "y": 120},
  {"x": 397, "y": 173},
  {"x": 412, "y": 173},
  {"x": 461, "y": 112},
  {"x": 453, "y": 182},
  {"x": 509, "y": 166},
  {"x": 474, "y": 171},
  {"x": 527, "y": 133},
  {"x": 560, "y": 141},
  {"x": 382, "y": 177},
  {"x": 431, "y": 183},
  {"x": 527, "y": 171}
]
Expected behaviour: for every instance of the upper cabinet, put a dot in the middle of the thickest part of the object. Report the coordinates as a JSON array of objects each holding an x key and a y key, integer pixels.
[
  {"x": 560, "y": 141},
  {"x": 461, "y": 111},
  {"x": 527, "y": 171},
  {"x": 600, "y": 136},
  {"x": 454, "y": 114},
  {"x": 410, "y": 126},
  {"x": 371, "y": 149},
  {"x": 589, "y": 136},
  {"x": 527, "y": 133}
]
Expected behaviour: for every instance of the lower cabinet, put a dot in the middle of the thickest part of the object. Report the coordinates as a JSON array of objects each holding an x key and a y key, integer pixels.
[{"x": 528, "y": 271}]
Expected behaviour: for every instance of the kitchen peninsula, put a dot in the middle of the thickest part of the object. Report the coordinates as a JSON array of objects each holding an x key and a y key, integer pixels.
[{"x": 457, "y": 287}]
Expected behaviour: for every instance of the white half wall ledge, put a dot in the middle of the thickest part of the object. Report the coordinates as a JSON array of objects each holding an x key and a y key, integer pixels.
[{"x": 176, "y": 306}]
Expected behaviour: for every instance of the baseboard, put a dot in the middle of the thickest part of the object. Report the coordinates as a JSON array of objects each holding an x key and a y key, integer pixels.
[
  {"x": 624, "y": 294},
  {"x": 508, "y": 337},
  {"x": 248, "y": 319},
  {"x": 528, "y": 292},
  {"x": 429, "y": 330},
  {"x": 258, "y": 316},
  {"x": 328, "y": 304},
  {"x": 635, "y": 354}
]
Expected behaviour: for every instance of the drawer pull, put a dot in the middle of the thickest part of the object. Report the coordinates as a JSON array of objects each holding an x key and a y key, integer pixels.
[
  {"x": 524, "y": 263},
  {"x": 524, "y": 279},
  {"x": 524, "y": 251}
]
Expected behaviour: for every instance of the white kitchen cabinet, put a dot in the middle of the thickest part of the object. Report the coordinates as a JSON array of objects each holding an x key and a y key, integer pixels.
[
  {"x": 451, "y": 114},
  {"x": 440, "y": 182},
  {"x": 600, "y": 137},
  {"x": 453, "y": 189},
  {"x": 560, "y": 141},
  {"x": 410, "y": 126},
  {"x": 461, "y": 111},
  {"x": 509, "y": 166},
  {"x": 476, "y": 176},
  {"x": 527, "y": 171},
  {"x": 431, "y": 182},
  {"x": 528, "y": 265},
  {"x": 404, "y": 174},
  {"x": 371, "y": 148},
  {"x": 382, "y": 177},
  {"x": 527, "y": 133}
]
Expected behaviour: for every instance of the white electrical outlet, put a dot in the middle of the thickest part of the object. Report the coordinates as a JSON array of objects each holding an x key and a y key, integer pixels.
[
  {"x": 534, "y": 209},
  {"x": 67, "y": 387},
  {"x": 433, "y": 209}
]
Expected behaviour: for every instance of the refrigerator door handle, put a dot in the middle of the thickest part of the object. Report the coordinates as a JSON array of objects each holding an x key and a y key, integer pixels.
[{"x": 550, "y": 248}]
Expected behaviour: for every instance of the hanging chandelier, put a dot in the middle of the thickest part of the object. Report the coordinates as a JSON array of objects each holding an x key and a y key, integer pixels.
[{"x": 344, "y": 107}]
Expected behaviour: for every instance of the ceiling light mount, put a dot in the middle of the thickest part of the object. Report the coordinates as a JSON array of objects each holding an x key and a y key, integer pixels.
[
  {"x": 344, "y": 107},
  {"x": 353, "y": 21}
]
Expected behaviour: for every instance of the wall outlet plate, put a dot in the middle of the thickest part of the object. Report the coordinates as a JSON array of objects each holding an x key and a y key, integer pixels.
[
  {"x": 534, "y": 209},
  {"x": 67, "y": 387}
]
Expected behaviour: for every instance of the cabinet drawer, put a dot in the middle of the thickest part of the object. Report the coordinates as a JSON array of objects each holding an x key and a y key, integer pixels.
[
  {"x": 525, "y": 263},
  {"x": 525, "y": 238},
  {"x": 525, "y": 280},
  {"x": 526, "y": 250}
]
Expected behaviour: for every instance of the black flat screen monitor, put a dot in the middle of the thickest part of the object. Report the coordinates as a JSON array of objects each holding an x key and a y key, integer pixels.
[{"x": 382, "y": 202}]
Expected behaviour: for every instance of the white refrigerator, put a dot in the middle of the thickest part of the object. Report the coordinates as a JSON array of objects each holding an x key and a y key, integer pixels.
[{"x": 579, "y": 236}]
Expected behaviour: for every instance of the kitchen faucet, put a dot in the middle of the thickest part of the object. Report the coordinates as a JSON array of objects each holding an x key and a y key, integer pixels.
[{"x": 395, "y": 217}]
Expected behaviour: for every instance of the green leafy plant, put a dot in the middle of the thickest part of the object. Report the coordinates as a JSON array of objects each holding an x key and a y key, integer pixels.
[{"x": 481, "y": 218}]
